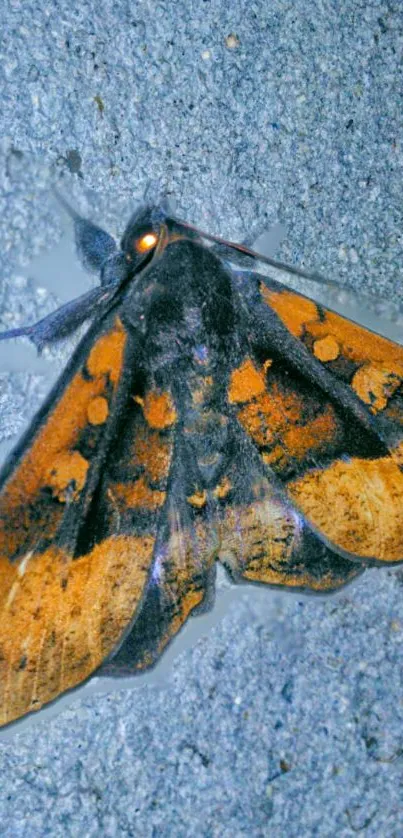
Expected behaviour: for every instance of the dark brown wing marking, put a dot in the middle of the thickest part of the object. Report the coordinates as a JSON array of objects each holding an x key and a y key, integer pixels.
[
  {"x": 180, "y": 582},
  {"x": 181, "y": 577}
]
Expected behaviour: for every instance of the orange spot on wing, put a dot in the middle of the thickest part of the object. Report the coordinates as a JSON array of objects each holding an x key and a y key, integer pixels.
[
  {"x": 294, "y": 310},
  {"x": 137, "y": 494},
  {"x": 326, "y": 349},
  {"x": 270, "y": 413},
  {"x": 276, "y": 420},
  {"x": 67, "y": 475},
  {"x": 222, "y": 489},
  {"x": 246, "y": 383},
  {"x": 198, "y": 499},
  {"x": 375, "y": 385},
  {"x": 359, "y": 344},
  {"x": 98, "y": 410},
  {"x": 153, "y": 454},
  {"x": 59, "y": 435},
  {"x": 312, "y": 437},
  {"x": 106, "y": 356},
  {"x": 159, "y": 410}
]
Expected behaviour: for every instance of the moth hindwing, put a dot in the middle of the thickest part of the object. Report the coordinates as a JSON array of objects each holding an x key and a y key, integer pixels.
[{"x": 208, "y": 414}]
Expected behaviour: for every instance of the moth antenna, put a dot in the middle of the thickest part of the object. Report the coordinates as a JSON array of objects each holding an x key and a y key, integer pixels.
[
  {"x": 153, "y": 194},
  {"x": 65, "y": 204},
  {"x": 65, "y": 320},
  {"x": 378, "y": 305},
  {"x": 168, "y": 204},
  {"x": 260, "y": 257}
]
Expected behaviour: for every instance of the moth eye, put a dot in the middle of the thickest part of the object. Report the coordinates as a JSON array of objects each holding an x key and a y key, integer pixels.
[{"x": 146, "y": 242}]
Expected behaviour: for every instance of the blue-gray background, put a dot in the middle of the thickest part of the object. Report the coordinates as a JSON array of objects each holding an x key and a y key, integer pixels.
[{"x": 285, "y": 718}]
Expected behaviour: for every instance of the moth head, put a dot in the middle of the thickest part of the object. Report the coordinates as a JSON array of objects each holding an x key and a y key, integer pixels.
[
  {"x": 142, "y": 236},
  {"x": 146, "y": 242},
  {"x": 149, "y": 231}
]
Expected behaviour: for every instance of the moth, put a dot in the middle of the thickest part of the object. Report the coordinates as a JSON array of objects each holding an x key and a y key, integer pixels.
[{"x": 208, "y": 414}]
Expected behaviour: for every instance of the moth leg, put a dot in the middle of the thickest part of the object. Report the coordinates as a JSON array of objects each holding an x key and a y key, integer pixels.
[
  {"x": 94, "y": 245},
  {"x": 65, "y": 320},
  {"x": 98, "y": 252}
]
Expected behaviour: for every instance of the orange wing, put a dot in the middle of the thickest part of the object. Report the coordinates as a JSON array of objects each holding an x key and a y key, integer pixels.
[
  {"x": 322, "y": 400},
  {"x": 71, "y": 578},
  {"x": 98, "y": 546}
]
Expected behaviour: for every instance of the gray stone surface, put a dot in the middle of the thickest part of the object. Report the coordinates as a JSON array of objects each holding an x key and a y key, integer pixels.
[{"x": 285, "y": 717}]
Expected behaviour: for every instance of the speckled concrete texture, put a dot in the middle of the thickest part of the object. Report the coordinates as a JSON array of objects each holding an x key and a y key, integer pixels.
[{"x": 285, "y": 717}]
